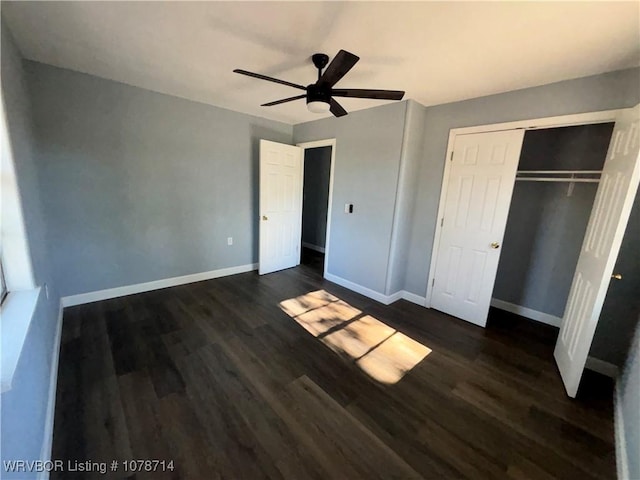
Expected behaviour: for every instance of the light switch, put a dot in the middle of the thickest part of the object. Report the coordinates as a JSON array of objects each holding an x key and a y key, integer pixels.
[{"x": 348, "y": 208}]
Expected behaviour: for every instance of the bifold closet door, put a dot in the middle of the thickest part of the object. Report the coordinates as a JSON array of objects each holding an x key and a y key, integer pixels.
[
  {"x": 479, "y": 188},
  {"x": 602, "y": 240}
]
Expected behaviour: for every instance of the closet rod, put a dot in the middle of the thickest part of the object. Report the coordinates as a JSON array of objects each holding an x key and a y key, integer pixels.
[
  {"x": 568, "y": 180},
  {"x": 563, "y": 172}
]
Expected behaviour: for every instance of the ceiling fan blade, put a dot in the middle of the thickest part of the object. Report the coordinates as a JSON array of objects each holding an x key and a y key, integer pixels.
[
  {"x": 338, "y": 68},
  {"x": 284, "y": 100},
  {"x": 337, "y": 109},
  {"x": 375, "y": 94},
  {"x": 270, "y": 79}
]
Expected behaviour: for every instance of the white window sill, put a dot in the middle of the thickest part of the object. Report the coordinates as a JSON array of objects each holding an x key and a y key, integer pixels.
[{"x": 15, "y": 317}]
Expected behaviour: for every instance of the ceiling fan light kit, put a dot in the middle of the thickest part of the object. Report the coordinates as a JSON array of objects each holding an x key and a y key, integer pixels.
[
  {"x": 318, "y": 106},
  {"x": 319, "y": 95}
]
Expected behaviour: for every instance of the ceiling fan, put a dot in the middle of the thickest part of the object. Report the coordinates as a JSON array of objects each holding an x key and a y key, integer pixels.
[{"x": 320, "y": 95}]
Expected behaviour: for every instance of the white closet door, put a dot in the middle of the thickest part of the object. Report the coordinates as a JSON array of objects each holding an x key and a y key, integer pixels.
[
  {"x": 481, "y": 180},
  {"x": 609, "y": 217},
  {"x": 280, "y": 206}
]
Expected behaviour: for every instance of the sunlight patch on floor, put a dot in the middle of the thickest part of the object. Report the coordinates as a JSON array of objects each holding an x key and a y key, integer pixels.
[{"x": 382, "y": 352}]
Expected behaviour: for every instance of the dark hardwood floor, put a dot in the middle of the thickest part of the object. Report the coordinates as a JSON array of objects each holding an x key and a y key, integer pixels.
[{"x": 218, "y": 378}]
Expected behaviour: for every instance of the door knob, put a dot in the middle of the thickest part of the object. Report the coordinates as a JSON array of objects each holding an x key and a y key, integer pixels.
[
  {"x": 495, "y": 245},
  {"x": 617, "y": 276},
  {"x": 264, "y": 217}
]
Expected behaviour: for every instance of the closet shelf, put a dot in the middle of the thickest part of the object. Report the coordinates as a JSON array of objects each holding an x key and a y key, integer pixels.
[
  {"x": 564, "y": 172},
  {"x": 569, "y": 176},
  {"x": 569, "y": 180}
]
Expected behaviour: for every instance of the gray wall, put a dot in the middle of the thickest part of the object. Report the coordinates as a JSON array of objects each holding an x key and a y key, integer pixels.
[
  {"x": 621, "y": 307},
  {"x": 600, "y": 92},
  {"x": 542, "y": 244},
  {"x": 545, "y": 228},
  {"x": 629, "y": 391},
  {"x": 410, "y": 158},
  {"x": 317, "y": 168},
  {"x": 367, "y": 159},
  {"x": 23, "y": 411},
  {"x": 141, "y": 186}
]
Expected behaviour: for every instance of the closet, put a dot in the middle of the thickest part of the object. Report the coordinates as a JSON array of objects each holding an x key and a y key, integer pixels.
[
  {"x": 555, "y": 187},
  {"x": 531, "y": 219}
]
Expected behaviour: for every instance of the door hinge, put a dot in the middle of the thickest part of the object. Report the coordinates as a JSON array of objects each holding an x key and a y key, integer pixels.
[
  {"x": 451, "y": 159},
  {"x": 433, "y": 281},
  {"x": 442, "y": 222}
]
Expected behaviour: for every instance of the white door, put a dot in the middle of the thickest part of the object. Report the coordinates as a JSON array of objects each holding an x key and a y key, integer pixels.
[
  {"x": 280, "y": 206},
  {"x": 609, "y": 217},
  {"x": 481, "y": 180}
]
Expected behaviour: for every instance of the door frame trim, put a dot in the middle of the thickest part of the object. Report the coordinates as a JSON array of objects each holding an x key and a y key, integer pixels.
[
  {"x": 329, "y": 142},
  {"x": 530, "y": 124}
]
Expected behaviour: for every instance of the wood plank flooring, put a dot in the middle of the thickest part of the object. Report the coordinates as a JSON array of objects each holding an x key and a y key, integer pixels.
[{"x": 218, "y": 378}]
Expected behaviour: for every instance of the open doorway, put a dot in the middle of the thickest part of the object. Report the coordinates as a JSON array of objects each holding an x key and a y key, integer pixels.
[
  {"x": 315, "y": 205},
  {"x": 282, "y": 176}
]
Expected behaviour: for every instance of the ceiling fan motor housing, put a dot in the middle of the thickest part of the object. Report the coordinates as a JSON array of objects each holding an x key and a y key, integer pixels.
[{"x": 318, "y": 93}]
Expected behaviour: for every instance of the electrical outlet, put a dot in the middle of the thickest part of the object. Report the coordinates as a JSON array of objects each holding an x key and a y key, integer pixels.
[{"x": 229, "y": 240}]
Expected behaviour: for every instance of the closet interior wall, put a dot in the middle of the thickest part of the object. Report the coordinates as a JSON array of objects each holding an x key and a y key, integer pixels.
[{"x": 548, "y": 219}]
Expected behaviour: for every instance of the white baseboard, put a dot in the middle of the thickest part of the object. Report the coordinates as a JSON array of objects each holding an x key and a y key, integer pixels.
[
  {"x": 622, "y": 459},
  {"x": 394, "y": 297},
  {"x": 155, "y": 285},
  {"x": 527, "y": 312},
  {"x": 377, "y": 296},
  {"x": 313, "y": 247},
  {"x": 413, "y": 298},
  {"x": 600, "y": 366},
  {"x": 367, "y": 292},
  {"x": 47, "y": 440}
]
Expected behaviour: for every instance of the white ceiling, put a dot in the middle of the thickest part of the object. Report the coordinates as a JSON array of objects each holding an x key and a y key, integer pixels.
[{"x": 437, "y": 52}]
